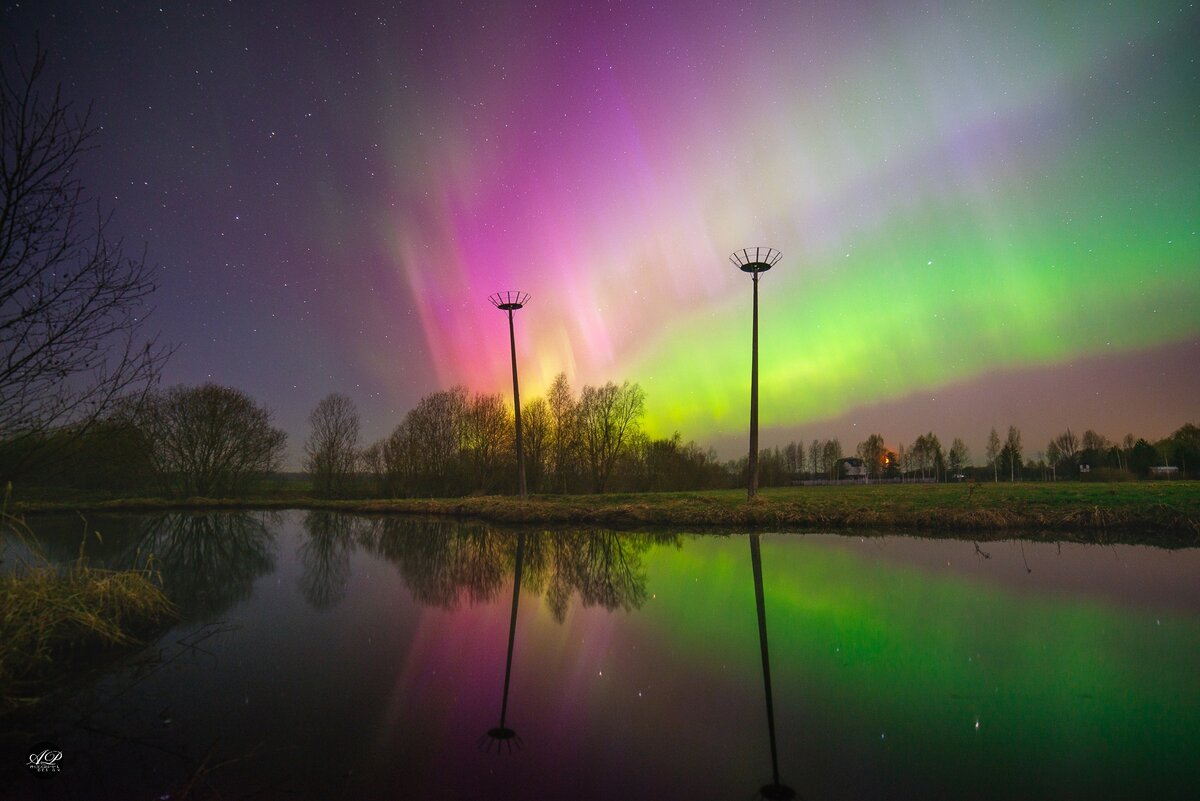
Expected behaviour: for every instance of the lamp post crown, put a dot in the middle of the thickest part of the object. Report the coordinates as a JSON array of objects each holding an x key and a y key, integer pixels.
[
  {"x": 508, "y": 301},
  {"x": 756, "y": 259}
]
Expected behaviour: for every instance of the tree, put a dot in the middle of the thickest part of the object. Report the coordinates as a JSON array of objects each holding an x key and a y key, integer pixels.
[
  {"x": 1067, "y": 446},
  {"x": 72, "y": 305},
  {"x": 535, "y": 422},
  {"x": 1095, "y": 448},
  {"x": 1094, "y": 441},
  {"x": 607, "y": 416},
  {"x": 371, "y": 461},
  {"x": 794, "y": 456},
  {"x": 993, "y": 453},
  {"x": 669, "y": 464},
  {"x": 1012, "y": 447},
  {"x": 564, "y": 430},
  {"x": 1185, "y": 444},
  {"x": 831, "y": 454},
  {"x": 926, "y": 453},
  {"x": 891, "y": 463},
  {"x": 872, "y": 452},
  {"x": 331, "y": 452},
  {"x": 209, "y": 440},
  {"x": 814, "y": 457},
  {"x": 1141, "y": 456},
  {"x": 960, "y": 457},
  {"x": 1053, "y": 456},
  {"x": 486, "y": 440},
  {"x": 430, "y": 439}
]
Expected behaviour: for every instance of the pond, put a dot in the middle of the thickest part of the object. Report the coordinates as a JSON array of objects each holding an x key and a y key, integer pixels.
[{"x": 330, "y": 656}]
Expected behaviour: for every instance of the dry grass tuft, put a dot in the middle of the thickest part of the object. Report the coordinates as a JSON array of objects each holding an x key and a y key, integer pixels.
[{"x": 53, "y": 616}]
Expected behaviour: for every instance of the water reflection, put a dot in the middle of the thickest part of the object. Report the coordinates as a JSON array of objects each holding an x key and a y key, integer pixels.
[
  {"x": 325, "y": 557},
  {"x": 446, "y": 563},
  {"x": 605, "y": 568},
  {"x": 776, "y": 790},
  {"x": 503, "y": 736},
  {"x": 389, "y": 690},
  {"x": 441, "y": 562},
  {"x": 208, "y": 562}
]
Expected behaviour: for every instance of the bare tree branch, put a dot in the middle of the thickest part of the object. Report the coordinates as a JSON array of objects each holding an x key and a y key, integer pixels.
[{"x": 72, "y": 304}]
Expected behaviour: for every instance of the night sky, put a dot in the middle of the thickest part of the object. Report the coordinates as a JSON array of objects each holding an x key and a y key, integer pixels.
[{"x": 988, "y": 211}]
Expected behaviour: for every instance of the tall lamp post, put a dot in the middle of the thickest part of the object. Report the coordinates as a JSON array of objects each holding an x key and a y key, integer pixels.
[
  {"x": 509, "y": 302},
  {"x": 755, "y": 262}
]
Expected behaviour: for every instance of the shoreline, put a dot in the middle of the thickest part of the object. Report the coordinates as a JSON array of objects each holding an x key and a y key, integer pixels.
[{"x": 1172, "y": 510}]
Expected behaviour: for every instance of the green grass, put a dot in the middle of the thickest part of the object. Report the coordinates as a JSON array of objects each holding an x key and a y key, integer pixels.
[{"x": 1153, "y": 508}]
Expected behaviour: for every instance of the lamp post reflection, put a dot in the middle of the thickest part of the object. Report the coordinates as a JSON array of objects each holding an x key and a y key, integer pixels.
[
  {"x": 502, "y": 735},
  {"x": 775, "y": 791}
]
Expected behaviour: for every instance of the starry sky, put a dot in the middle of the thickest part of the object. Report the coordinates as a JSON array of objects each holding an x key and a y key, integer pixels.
[{"x": 988, "y": 211}]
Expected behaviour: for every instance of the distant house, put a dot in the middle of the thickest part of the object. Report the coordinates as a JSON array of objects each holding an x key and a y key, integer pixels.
[
  {"x": 853, "y": 468},
  {"x": 1163, "y": 471}
]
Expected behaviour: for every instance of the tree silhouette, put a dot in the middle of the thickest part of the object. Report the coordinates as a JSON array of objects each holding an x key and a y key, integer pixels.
[
  {"x": 608, "y": 417},
  {"x": 209, "y": 440},
  {"x": 331, "y": 452},
  {"x": 72, "y": 304}
]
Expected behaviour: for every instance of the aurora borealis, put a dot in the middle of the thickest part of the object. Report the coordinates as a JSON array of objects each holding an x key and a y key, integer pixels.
[{"x": 991, "y": 203}]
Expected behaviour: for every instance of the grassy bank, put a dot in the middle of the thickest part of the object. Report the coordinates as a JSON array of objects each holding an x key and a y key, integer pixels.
[
  {"x": 54, "y": 619},
  {"x": 1164, "y": 507}
]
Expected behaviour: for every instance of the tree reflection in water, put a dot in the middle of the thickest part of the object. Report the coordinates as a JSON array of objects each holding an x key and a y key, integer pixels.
[
  {"x": 441, "y": 562},
  {"x": 603, "y": 567},
  {"x": 446, "y": 563},
  {"x": 325, "y": 557},
  {"x": 209, "y": 562}
]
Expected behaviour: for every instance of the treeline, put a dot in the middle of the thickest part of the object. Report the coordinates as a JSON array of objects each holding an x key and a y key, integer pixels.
[
  {"x": 456, "y": 443},
  {"x": 208, "y": 441},
  {"x": 215, "y": 441},
  {"x": 1090, "y": 457}
]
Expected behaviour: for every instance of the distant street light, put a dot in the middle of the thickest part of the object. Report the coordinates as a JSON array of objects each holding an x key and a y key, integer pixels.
[
  {"x": 510, "y": 302},
  {"x": 754, "y": 262}
]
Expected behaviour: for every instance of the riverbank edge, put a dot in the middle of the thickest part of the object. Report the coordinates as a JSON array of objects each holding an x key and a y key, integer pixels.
[
  {"x": 56, "y": 624},
  {"x": 691, "y": 511}
]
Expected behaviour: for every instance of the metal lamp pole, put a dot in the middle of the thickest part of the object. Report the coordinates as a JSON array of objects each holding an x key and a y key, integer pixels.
[
  {"x": 509, "y": 302},
  {"x": 756, "y": 262}
]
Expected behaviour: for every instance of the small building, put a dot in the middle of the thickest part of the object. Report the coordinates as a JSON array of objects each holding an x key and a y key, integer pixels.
[
  {"x": 853, "y": 468},
  {"x": 1163, "y": 471}
]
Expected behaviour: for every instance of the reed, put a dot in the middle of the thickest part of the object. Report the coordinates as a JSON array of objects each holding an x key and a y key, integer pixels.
[{"x": 54, "y": 617}]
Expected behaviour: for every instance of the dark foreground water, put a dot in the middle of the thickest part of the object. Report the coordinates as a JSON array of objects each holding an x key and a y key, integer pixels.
[{"x": 326, "y": 657}]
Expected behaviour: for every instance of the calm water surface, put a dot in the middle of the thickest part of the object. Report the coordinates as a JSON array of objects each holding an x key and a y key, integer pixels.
[{"x": 330, "y": 656}]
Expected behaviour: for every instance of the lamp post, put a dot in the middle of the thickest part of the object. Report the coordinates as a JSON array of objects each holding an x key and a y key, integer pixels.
[
  {"x": 509, "y": 302},
  {"x": 755, "y": 262}
]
